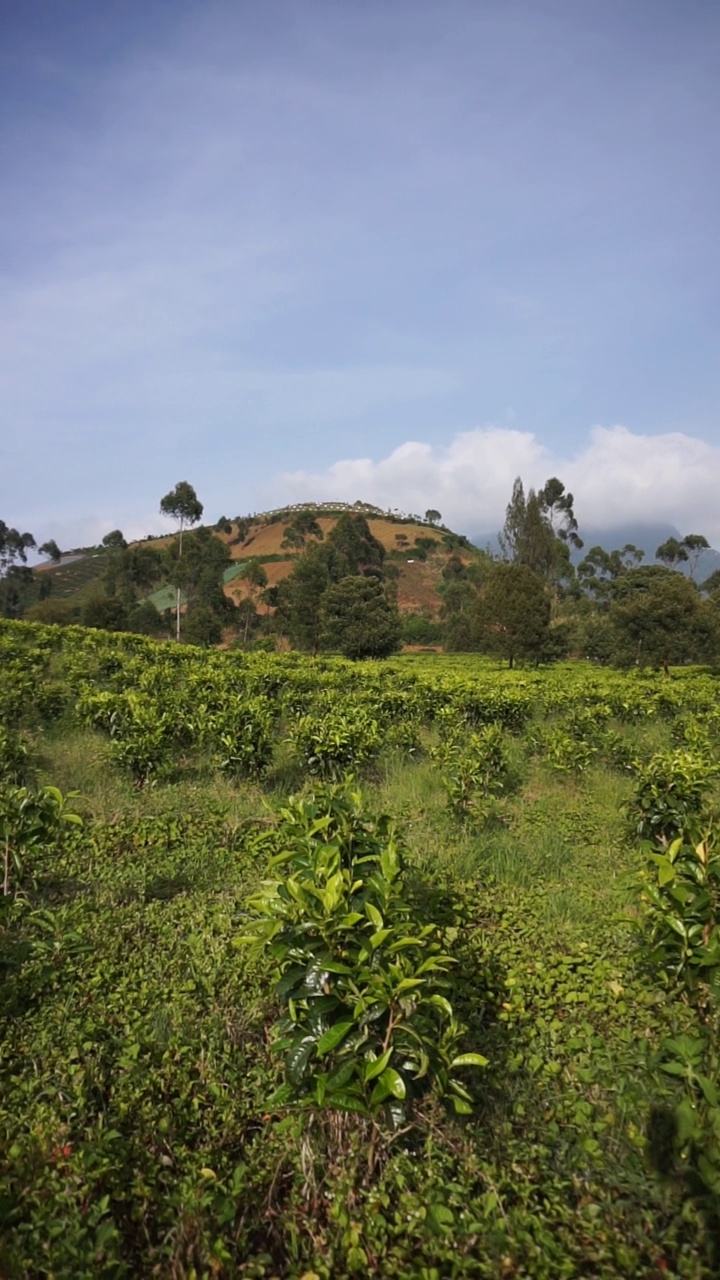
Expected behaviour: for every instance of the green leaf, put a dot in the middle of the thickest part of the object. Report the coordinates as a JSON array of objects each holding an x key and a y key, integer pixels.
[
  {"x": 469, "y": 1060},
  {"x": 377, "y": 939},
  {"x": 441, "y": 1003},
  {"x": 393, "y": 1082},
  {"x": 344, "y": 1101},
  {"x": 461, "y": 1107},
  {"x": 441, "y": 1217},
  {"x": 373, "y": 915},
  {"x": 709, "y": 1089},
  {"x": 297, "y": 1058},
  {"x": 332, "y": 1037},
  {"x": 377, "y": 1066}
]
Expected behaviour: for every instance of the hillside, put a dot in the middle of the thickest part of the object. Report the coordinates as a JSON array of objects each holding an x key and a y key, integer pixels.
[{"x": 261, "y": 538}]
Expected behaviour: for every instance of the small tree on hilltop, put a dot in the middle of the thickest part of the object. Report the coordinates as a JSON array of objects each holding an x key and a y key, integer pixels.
[
  {"x": 182, "y": 505},
  {"x": 432, "y": 516},
  {"x": 51, "y": 549}
]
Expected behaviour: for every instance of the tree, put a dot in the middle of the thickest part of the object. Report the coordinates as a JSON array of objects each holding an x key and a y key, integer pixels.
[
  {"x": 144, "y": 619},
  {"x": 51, "y": 549},
  {"x": 114, "y": 541},
  {"x": 203, "y": 627},
  {"x": 671, "y": 553},
  {"x": 432, "y": 516},
  {"x": 514, "y": 613},
  {"x": 512, "y": 530},
  {"x": 352, "y": 549},
  {"x": 106, "y": 613},
  {"x": 131, "y": 570},
  {"x": 299, "y": 598},
  {"x": 197, "y": 571},
  {"x": 15, "y": 577},
  {"x": 558, "y": 505},
  {"x": 712, "y": 583},
  {"x": 254, "y": 574},
  {"x": 658, "y": 619},
  {"x": 358, "y": 620},
  {"x": 303, "y": 525},
  {"x": 695, "y": 544},
  {"x": 181, "y": 504},
  {"x": 600, "y": 568}
]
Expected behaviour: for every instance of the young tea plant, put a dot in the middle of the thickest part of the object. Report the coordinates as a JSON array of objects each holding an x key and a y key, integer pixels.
[
  {"x": 670, "y": 792},
  {"x": 368, "y": 1022},
  {"x": 475, "y": 771},
  {"x": 29, "y": 820}
]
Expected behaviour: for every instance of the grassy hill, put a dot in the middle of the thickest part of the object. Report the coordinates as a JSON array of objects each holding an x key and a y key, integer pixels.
[{"x": 261, "y": 538}]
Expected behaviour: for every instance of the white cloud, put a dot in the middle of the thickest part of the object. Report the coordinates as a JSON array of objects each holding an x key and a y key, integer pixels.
[{"x": 616, "y": 477}]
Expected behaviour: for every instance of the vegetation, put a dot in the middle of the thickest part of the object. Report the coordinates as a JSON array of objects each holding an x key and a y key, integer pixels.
[
  {"x": 276, "y": 579},
  {"x": 332, "y": 967}
]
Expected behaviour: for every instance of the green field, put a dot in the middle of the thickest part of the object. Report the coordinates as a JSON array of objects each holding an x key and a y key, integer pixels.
[{"x": 138, "y": 1051}]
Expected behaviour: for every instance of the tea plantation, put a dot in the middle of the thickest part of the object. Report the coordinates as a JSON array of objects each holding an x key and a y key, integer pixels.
[{"x": 312, "y": 968}]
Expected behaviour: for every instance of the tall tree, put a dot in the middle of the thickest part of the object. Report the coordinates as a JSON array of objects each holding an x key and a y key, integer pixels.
[
  {"x": 15, "y": 577},
  {"x": 695, "y": 544},
  {"x": 514, "y": 613},
  {"x": 432, "y": 516},
  {"x": 512, "y": 531},
  {"x": 559, "y": 506},
  {"x": 299, "y": 598},
  {"x": 671, "y": 553},
  {"x": 182, "y": 505}
]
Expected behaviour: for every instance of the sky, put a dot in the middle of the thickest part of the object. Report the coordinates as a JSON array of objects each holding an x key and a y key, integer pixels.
[{"x": 396, "y": 250}]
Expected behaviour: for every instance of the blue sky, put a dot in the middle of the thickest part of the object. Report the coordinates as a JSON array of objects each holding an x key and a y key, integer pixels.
[{"x": 389, "y": 249}]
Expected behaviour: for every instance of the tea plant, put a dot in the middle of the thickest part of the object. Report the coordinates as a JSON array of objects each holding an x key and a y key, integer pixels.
[
  {"x": 670, "y": 791},
  {"x": 29, "y": 820},
  {"x": 475, "y": 771},
  {"x": 331, "y": 744},
  {"x": 369, "y": 1025}
]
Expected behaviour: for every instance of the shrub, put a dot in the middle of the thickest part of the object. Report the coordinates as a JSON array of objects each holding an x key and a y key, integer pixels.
[
  {"x": 670, "y": 791},
  {"x": 368, "y": 1024}
]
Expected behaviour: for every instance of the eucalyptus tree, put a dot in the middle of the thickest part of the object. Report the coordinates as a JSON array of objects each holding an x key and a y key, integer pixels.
[
  {"x": 15, "y": 576},
  {"x": 182, "y": 505}
]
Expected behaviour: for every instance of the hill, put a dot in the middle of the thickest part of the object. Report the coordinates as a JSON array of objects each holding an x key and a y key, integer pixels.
[{"x": 418, "y": 548}]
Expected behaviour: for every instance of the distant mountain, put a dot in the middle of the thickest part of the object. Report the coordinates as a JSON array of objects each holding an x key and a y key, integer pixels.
[{"x": 646, "y": 537}]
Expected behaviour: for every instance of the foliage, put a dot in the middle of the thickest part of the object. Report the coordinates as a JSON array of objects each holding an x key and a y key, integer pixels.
[
  {"x": 357, "y": 619},
  {"x": 658, "y": 619},
  {"x": 338, "y": 741},
  {"x": 29, "y": 820},
  {"x": 475, "y": 770},
  {"x": 136, "y": 1045},
  {"x": 669, "y": 794},
  {"x": 681, "y": 922},
  {"x": 515, "y": 613},
  {"x": 363, "y": 978}
]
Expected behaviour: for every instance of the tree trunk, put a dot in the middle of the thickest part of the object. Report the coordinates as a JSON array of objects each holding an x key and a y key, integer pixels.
[{"x": 177, "y": 595}]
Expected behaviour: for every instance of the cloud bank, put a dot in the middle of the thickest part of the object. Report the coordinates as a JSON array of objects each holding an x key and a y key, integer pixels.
[{"x": 616, "y": 476}]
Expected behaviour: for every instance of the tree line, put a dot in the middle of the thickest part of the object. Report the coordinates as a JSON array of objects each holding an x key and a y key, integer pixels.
[{"x": 534, "y": 599}]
